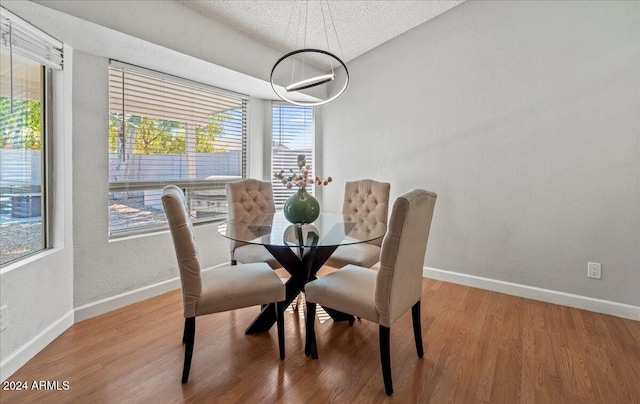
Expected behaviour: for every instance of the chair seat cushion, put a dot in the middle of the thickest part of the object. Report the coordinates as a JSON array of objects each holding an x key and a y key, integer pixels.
[
  {"x": 251, "y": 253},
  {"x": 364, "y": 255},
  {"x": 233, "y": 287},
  {"x": 350, "y": 290}
]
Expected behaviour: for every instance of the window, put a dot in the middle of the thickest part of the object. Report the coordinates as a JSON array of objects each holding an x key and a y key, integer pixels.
[
  {"x": 27, "y": 57},
  {"x": 292, "y": 135},
  {"x": 166, "y": 130}
]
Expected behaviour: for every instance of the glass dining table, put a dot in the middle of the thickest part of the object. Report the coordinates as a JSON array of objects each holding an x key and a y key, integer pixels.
[{"x": 300, "y": 249}]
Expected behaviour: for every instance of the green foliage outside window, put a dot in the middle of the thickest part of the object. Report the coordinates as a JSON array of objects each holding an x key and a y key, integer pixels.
[
  {"x": 114, "y": 125},
  {"x": 158, "y": 136},
  {"x": 155, "y": 136},
  {"x": 206, "y": 135},
  {"x": 22, "y": 128}
]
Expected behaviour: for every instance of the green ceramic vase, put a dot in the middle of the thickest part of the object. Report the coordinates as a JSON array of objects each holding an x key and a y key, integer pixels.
[{"x": 301, "y": 207}]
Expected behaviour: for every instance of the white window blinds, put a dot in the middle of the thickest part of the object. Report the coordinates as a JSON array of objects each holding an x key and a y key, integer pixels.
[
  {"x": 292, "y": 135},
  {"x": 26, "y": 40},
  {"x": 166, "y": 130}
]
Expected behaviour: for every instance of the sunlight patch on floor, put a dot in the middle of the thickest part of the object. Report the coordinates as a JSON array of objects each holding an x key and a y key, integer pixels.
[{"x": 320, "y": 313}]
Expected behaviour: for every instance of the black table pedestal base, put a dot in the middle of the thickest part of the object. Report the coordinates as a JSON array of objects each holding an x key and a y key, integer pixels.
[{"x": 303, "y": 269}]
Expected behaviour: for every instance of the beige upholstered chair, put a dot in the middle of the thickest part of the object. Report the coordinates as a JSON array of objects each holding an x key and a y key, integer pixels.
[
  {"x": 382, "y": 296},
  {"x": 365, "y": 199},
  {"x": 250, "y": 197},
  {"x": 214, "y": 290}
]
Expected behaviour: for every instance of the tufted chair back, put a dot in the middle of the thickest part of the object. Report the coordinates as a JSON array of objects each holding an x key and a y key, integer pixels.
[
  {"x": 367, "y": 198},
  {"x": 249, "y": 197},
  {"x": 399, "y": 279},
  {"x": 185, "y": 245}
]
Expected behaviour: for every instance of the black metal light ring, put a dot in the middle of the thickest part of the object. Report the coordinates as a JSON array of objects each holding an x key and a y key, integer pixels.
[{"x": 316, "y": 51}]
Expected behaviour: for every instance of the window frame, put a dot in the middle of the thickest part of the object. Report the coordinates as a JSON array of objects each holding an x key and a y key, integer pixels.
[
  {"x": 187, "y": 185},
  {"x": 30, "y": 42},
  {"x": 47, "y": 157}
]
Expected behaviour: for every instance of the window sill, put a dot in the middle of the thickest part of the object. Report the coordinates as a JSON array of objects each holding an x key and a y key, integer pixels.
[{"x": 30, "y": 259}]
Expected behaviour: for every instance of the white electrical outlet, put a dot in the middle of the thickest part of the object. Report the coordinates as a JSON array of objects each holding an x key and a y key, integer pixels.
[
  {"x": 3, "y": 317},
  {"x": 594, "y": 270}
]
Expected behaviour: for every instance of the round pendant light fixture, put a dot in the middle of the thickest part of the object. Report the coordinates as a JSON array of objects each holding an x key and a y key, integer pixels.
[
  {"x": 310, "y": 76},
  {"x": 313, "y": 97}
]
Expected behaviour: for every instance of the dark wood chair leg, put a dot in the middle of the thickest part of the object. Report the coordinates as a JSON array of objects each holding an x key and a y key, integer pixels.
[
  {"x": 385, "y": 358},
  {"x": 190, "y": 334},
  {"x": 279, "y": 307},
  {"x": 310, "y": 347},
  {"x": 184, "y": 333},
  {"x": 417, "y": 328}
]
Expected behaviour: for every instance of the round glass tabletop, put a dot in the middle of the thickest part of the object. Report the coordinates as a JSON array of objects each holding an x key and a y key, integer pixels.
[{"x": 330, "y": 229}]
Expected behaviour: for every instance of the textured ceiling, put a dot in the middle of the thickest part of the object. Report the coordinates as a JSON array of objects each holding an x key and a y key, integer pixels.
[{"x": 360, "y": 25}]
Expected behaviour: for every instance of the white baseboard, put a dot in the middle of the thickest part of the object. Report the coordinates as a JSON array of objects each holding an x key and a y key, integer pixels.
[
  {"x": 530, "y": 292},
  {"x": 17, "y": 359},
  {"x": 124, "y": 299}
]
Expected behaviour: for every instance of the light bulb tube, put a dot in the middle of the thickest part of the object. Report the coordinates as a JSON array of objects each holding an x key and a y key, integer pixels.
[{"x": 310, "y": 82}]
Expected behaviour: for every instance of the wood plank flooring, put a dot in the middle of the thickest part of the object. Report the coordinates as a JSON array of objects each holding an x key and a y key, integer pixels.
[{"x": 480, "y": 346}]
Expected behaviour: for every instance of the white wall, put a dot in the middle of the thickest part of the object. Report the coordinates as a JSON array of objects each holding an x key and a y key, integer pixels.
[{"x": 524, "y": 118}]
